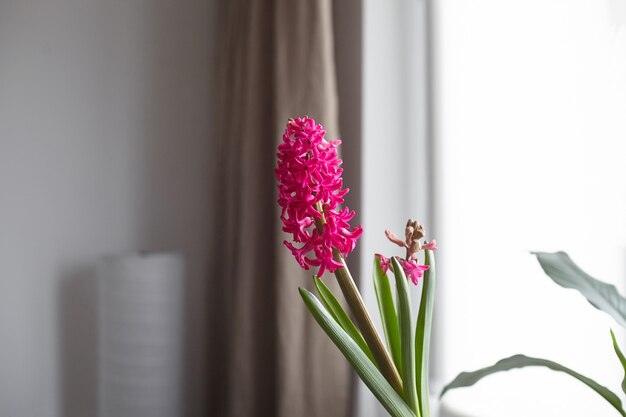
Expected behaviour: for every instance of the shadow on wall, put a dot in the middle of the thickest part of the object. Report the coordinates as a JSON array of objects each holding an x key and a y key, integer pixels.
[{"x": 78, "y": 343}]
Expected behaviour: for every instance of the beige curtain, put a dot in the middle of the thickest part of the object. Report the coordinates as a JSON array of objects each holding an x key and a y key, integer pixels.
[{"x": 268, "y": 356}]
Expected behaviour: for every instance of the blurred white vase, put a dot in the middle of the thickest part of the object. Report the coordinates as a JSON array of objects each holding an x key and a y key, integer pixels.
[{"x": 140, "y": 344}]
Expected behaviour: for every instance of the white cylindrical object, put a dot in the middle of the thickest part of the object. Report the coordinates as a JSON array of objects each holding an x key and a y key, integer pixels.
[{"x": 140, "y": 335}]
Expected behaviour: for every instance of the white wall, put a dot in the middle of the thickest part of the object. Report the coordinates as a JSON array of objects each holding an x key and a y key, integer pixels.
[{"x": 104, "y": 147}]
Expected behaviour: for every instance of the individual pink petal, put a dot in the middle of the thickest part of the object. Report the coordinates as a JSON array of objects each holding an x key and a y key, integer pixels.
[
  {"x": 394, "y": 238},
  {"x": 432, "y": 245}
]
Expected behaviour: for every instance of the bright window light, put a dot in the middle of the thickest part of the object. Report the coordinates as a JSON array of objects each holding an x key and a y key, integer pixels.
[{"x": 531, "y": 123}]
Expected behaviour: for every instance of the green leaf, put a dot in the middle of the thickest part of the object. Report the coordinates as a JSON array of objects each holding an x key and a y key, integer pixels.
[
  {"x": 466, "y": 379},
  {"x": 422, "y": 333},
  {"x": 366, "y": 370},
  {"x": 388, "y": 314},
  {"x": 566, "y": 273},
  {"x": 406, "y": 337},
  {"x": 336, "y": 310},
  {"x": 621, "y": 358}
]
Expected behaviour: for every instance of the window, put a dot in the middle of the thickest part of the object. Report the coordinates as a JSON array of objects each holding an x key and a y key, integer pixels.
[{"x": 531, "y": 123}]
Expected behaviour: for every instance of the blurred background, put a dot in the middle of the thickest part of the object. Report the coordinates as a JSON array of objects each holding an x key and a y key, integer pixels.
[{"x": 142, "y": 271}]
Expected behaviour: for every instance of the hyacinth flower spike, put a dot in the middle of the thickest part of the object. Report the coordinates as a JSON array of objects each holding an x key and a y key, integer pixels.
[
  {"x": 413, "y": 233},
  {"x": 310, "y": 195}
]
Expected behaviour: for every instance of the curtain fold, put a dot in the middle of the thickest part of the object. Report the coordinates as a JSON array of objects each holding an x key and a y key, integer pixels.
[{"x": 268, "y": 356}]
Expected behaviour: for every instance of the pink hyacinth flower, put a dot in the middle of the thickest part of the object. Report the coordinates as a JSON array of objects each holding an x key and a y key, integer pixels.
[
  {"x": 310, "y": 191},
  {"x": 413, "y": 270}
]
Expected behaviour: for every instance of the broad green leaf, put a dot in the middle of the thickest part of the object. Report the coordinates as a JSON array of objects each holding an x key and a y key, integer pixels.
[
  {"x": 388, "y": 314},
  {"x": 336, "y": 310},
  {"x": 366, "y": 370},
  {"x": 466, "y": 379},
  {"x": 621, "y": 358},
  {"x": 422, "y": 334},
  {"x": 566, "y": 273},
  {"x": 406, "y": 337}
]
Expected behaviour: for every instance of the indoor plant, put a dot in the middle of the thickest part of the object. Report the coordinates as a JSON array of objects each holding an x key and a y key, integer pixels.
[{"x": 311, "y": 193}]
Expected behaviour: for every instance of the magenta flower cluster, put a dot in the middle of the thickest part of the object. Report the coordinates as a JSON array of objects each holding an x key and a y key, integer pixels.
[{"x": 310, "y": 194}]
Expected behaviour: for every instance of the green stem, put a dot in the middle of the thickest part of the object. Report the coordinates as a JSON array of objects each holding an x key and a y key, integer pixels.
[{"x": 366, "y": 325}]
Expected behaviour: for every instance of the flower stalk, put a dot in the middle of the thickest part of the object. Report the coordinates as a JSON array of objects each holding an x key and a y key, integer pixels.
[
  {"x": 362, "y": 317},
  {"x": 366, "y": 325}
]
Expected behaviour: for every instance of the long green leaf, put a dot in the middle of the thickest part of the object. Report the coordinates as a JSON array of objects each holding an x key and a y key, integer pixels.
[
  {"x": 388, "y": 314},
  {"x": 422, "y": 334},
  {"x": 336, "y": 310},
  {"x": 366, "y": 370},
  {"x": 566, "y": 273},
  {"x": 406, "y": 337},
  {"x": 621, "y": 358},
  {"x": 466, "y": 379}
]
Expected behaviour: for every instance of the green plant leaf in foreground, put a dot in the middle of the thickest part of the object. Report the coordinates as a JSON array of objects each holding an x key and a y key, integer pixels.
[
  {"x": 336, "y": 310},
  {"x": 621, "y": 358},
  {"x": 407, "y": 341},
  {"x": 388, "y": 314},
  {"x": 560, "y": 267},
  {"x": 466, "y": 379},
  {"x": 422, "y": 333},
  {"x": 366, "y": 370}
]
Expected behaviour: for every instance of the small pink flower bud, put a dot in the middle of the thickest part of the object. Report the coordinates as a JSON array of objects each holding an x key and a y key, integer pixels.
[
  {"x": 393, "y": 238},
  {"x": 385, "y": 263},
  {"x": 432, "y": 245}
]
